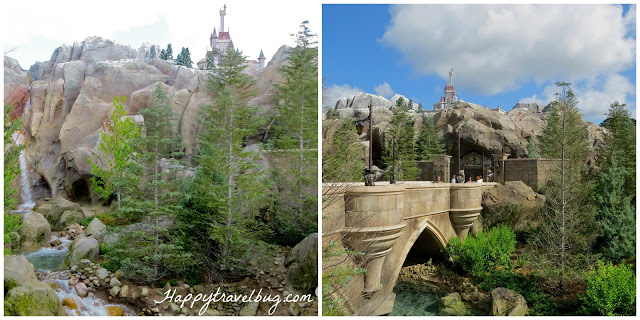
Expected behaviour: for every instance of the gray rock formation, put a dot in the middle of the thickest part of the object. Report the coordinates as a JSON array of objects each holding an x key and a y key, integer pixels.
[
  {"x": 52, "y": 209},
  {"x": 505, "y": 302},
  {"x": 96, "y": 229},
  {"x": 34, "y": 231},
  {"x": 72, "y": 93},
  {"x": 302, "y": 265},
  {"x": 82, "y": 248},
  {"x": 514, "y": 204},
  {"x": 25, "y": 295},
  {"x": 452, "y": 305}
]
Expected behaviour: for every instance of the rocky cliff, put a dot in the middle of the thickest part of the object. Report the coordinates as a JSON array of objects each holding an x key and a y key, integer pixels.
[
  {"x": 72, "y": 93},
  {"x": 485, "y": 130}
]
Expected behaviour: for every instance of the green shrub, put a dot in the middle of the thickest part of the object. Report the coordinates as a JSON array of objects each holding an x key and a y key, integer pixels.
[
  {"x": 484, "y": 251},
  {"x": 11, "y": 225},
  {"x": 611, "y": 290}
]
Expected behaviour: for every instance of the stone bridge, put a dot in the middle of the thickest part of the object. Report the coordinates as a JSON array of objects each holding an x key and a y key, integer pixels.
[{"x": 384, "y": 222}]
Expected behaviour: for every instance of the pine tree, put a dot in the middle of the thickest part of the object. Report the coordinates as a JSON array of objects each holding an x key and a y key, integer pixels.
[
  {"x": 616, "y": 218},
  {"x": 295, "y": 212},
  {"x": 184, "y": 58},
  {"x": 151, "y": 254},
  {"x": 11, "y": 157},
  {"x": 119, "y": 154},
  {"x": 620, "y": 141},
  {"x": 163, "y": 54},
  {"x": 401, "y": 130},
  {"x": 229, "y": 185},
  {"x": 341, "y": 154},
  {"x": 210, "y": 61},
  {"x": 531, "y": 148},
  {"x": 429, "y": 143},
  {"x": 169, "y": 52},
  {"x": 567, "y": 229}
]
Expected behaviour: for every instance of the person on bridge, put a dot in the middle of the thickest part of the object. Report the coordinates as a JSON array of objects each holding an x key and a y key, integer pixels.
[
  {"x": 453, "y": 179},
  {"x": 479, "y": 179}
]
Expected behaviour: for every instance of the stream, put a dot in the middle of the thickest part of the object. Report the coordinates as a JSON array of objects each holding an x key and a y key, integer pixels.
[
  {"x": 416, "y": 299},
  {"x": 50, "y": 262}
]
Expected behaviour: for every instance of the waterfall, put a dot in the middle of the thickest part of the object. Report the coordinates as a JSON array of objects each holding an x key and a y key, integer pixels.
[{"x": 27, "y": 196}]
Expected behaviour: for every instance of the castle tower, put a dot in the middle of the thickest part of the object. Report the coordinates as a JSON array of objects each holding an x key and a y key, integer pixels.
[
  {"x": 223, "y": 12},
  {"x": 214, "y": 40},
  {"x": 261, "y": 59},
  {"x": 449, "y": 90}
]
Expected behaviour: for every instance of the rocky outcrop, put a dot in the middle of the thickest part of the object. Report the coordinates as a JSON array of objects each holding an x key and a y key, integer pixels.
[
  {"x": 34, "y": 231},
  {"x": 73, "y": 92},
  {"x": 68, "y": 218},
  {"x": 302, "y": 265},
  {"x": 16, "y": 86},
  {"x": 452, "y": 305},
  {"x": 25, "y": 295},
  {"x": 52, "y": 209},
  {"x": 82, "y": 247},
  {"x": 96, "y": 229},
  {"x": 514, "y": 204},
  {"x": 505, "y": 302}
]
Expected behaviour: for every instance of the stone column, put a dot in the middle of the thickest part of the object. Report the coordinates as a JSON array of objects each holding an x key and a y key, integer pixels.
[
  {"x": 373, "y": 223},
  {"x": 441, "y": 166},
  {"x": 498, "y": 166},
  {"x": 465, "y": 206}
]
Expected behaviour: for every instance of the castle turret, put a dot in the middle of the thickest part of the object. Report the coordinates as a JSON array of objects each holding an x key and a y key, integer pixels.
[
  {"x": 261, "y": 59},
  {"x": 223, "y": 12},
  {"x": 214, "y": 40},
  {"x": 449, "y": 90}
]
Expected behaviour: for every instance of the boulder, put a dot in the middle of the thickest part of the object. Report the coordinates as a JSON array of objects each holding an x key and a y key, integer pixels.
[
  {"x": 83, "y": 248},
  {"x": 505, "y": 302},
  {"x": 17, "y": 271},
  {"x": 70, "y": 303},
  {"x": 250, "y": 309},
  {"x": 53, "y": 209},
  {"x": 32, "y": 299},
  {"x": 114, "y": 291},
  {"x": 96, "y": 229},
  {"x": 102, "y": 273},
  {"x": 68, "y": 218},
  {"x": 81, "y": 289},
  {"x": 124, "y": 291},
  {"x": 111, "y": 239},
  {"x": 34, "y": 231},
  {"x": 302, "y": 265},
  {"x": 452, "y": 305},
  {"x": 114, "y": 282},
  {"x": 514, "y": 204}
]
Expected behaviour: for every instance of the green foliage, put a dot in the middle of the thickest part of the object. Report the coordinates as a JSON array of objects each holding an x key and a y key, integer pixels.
[
  {"x": 484, "y": 251},
  {"x": 531, "y": 148},
  {"x": 620, "y": 143},
  {"x": 229, "y": 189},
  {"x": 119, "y": 153},
  {"x": 611, "y": 290},
  {"x": 616, "y": 215},
  {"x": 567, "y": 229},
  {"x": 184, "y": 58},
  {"x": 429, "y": 143},
  {"x": 11, "y": 159},
  {"x": 341, "y": 154},
  {"x": 336, "y": 276},
  {"x": 11, "y": 225},
  {"x": 167, "y": 54},
  {"x": 540, "y": 303},
  {"x": 401, "y": 131},
  {"x": 295, "y": 209},
  {"x": 210, "y": 61}
]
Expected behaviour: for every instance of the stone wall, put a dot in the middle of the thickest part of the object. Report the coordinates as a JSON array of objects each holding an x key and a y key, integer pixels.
[
  {"x": 426, "y": 170},
  {"x": 533, "y": 172}
]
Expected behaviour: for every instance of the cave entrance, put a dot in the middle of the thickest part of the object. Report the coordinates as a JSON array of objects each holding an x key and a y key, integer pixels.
[
  {"x": 80, "y": 191},
  {"x": 424, "y": 249}
]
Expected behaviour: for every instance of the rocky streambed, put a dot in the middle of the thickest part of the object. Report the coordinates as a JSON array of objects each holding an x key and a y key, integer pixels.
[{"x": 58, "y": 273}]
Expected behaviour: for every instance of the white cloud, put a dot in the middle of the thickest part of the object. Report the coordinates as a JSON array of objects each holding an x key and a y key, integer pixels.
[
  {"x": 594, "y": 97},
  {"x": 254, "y": 25},
  {"x": 332, "y": 94},
  {"x": 495, "y": 48},
  {"x": 384, "y": 90}
]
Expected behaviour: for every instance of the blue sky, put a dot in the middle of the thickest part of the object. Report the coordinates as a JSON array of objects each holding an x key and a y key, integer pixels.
[{"x": 500, "y": 54}]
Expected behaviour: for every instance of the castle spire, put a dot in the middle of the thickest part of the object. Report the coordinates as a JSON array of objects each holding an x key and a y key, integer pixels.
[
  {"x": 223, "y": 12},
  {"x": 451, "y": 77}
]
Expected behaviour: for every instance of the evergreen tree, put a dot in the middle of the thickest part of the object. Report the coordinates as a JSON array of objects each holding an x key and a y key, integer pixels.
[
  {"x": 11, "y": 158},
  {"x": 184, "y": 58},
  {"x": 341, "y": 154},
  {"x": 151, "y": 254},
  {"x": 429, "y": 143},
  {"x": 210, "y": 61},
  {"x": 620, "y": 141},
  {"x": 169, "y": 52},
  {"x": 531, "y": 148},
  {"x": 163, "y": 54},
  {"x": 616, "y": 218},
  {"x": 401, "y": 130},
  {"x": 567, "y": 229},
  {"x": 229, "y": 187},
  {"x": 295, "y": 212},
  {"x": 119, "y": 154}
]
